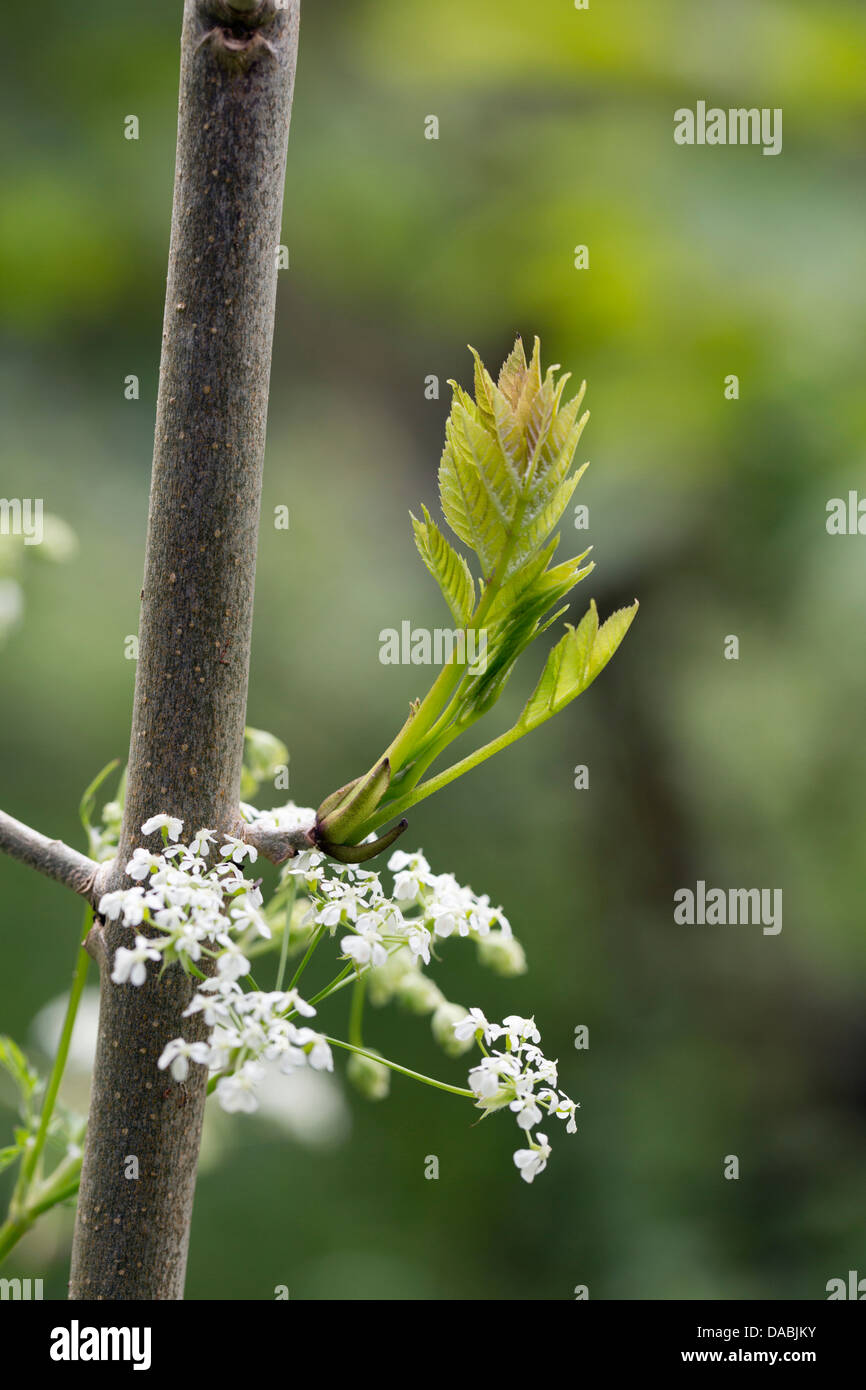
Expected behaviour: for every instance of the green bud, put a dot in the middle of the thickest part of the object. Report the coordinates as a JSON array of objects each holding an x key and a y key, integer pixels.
[
  {"x": 443, "y": 1029},
  {"x": 369, "y": 1077},
  {"x": 417, "y": 993},
  {"x": 384, "y": 981},
  {"x": 503, "y": 954}
]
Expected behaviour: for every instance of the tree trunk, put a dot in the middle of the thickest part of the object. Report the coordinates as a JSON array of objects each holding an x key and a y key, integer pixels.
[{"x": 237, "y": 74}]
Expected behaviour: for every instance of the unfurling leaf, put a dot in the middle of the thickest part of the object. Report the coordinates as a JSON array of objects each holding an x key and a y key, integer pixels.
[
  {"x": 574, "y": 663},
  {"x": 505, "y": 474},
  {"x": 447, "y": 567}
]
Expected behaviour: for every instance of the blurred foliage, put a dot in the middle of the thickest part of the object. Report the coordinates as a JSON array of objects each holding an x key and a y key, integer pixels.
[{"x": 555, "y": 130}]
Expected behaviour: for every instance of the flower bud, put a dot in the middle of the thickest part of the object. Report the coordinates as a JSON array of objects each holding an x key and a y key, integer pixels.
[
  {"x": 417, "y": 993},
  {"x": 503, "y": 954},
  {"x": 384, "y": 981},
  {"x": 371, "y": 1078},
  {"x": 443, "y": 1029}
]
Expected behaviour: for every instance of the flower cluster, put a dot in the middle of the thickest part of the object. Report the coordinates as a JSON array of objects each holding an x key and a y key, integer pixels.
[
  {"x": 195, "y": 906},
  {"x": 212, "y": 912},
  {"x": 520, "y": 1077}
]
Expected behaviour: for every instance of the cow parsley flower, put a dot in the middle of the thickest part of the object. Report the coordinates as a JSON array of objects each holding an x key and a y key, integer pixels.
[
  {"x": 202, "y": 908},
  {"x": 532, "y": 1161},
  {"x": 131, "y": 966},
  {"x": 170, "y": 824}
]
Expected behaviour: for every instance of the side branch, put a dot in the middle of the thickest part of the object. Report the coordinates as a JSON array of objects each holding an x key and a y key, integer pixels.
[
  {"x": 51, "y": 857},
  {"x": 273, "y": 843}
]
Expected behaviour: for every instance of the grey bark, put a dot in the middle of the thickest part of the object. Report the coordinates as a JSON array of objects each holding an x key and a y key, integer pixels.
[
  {"x": 237, "y": 74},
  {"x": 51, "y": 857}
]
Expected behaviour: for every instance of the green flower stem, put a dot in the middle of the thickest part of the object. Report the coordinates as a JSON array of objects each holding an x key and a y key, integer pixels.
[
  {"x": 62, "y": 1184},
  {"x": 55, "y": 1197},
  {"x": 31, "y": 1159},
  {"x": 284, "y": 945},
  {"x": 340, "y": 981},
  {"x": 356, "y": 1014},
  {"x": 346, "y": 977},
  {"x": 11, "y": 1232},
  {"x": 404, "y": 1071},
  {"x": 317, "y": 936}
]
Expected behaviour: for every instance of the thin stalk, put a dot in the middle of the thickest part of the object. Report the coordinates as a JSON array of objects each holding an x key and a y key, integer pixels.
[
  {"x": 404, "y": 1071},
  {"x": 307, "y": 957},
  {"x": 435, "y": 784},
  {"x": 356, "y": 1014},
  {"x": 284, "y": 945},
  {"x": 79, "y": 978}
]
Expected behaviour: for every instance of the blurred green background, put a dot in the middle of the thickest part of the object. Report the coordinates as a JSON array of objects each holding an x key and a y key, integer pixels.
[{"x": 555, "y": 130}]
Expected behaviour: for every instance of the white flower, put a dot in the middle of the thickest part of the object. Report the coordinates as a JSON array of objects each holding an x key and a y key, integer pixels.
[
  {"x": 178, "y": 1054},
  {"x": 411, "y": 872},
  {"x": 444, "y": 1025},
  {"x": 171, "y": 824},
  {"x": 110, "y": 905},
  {"x": 237, "y": 1092},
  {"x": 493, "y": 1080},
  {"x": 525, "y": 1107},
  {"x": 142, "y": 862},
  {"x": 133, "y": 907},
  {"x": 473, "y": 1023},
  {"x": 563, "y": 1108},
  {"x": 413, "y": 860},
  {"x": 246, "y": 916},
  {"x": 238, "y": 850},
  {"x": 365, "y": 948},
  {"x": 307, "y": 865},
  {"x": 231, "y": 961},
  {"x": 292, "y": 1000},
  {"x": 406, "y": 886},
  {"x": 131, "y": 965},
  {"x": 201, "y": 842},
  {"x": 170, "y": 919},
  {"x": 215, "y": 1009},
  {"x": 283, "y": 1047},
  {"x": 443, "y": 918},
  {"x": 543, "y": 1068},
  {"x": 519, "y": 1030},
  {"x": 318, "y": 1052},
  {"x": 418, "y": 940},
  {"x": 530, "y": 1162}
]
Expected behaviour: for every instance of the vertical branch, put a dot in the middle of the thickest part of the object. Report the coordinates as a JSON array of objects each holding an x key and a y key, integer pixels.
[{"x": 237, "y": 74}]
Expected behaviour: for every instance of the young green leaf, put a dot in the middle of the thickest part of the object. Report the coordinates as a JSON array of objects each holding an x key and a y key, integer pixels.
[
  {"x": 13, "y": 1061},
  {"x": 447, "y": 567},
  {"x": 574, "y": 663}
]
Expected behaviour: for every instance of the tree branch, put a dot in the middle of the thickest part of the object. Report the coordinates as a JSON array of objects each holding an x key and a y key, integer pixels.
[
  {"x": 273, "y": 843},
  {"x": 52, "y": 858}
]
